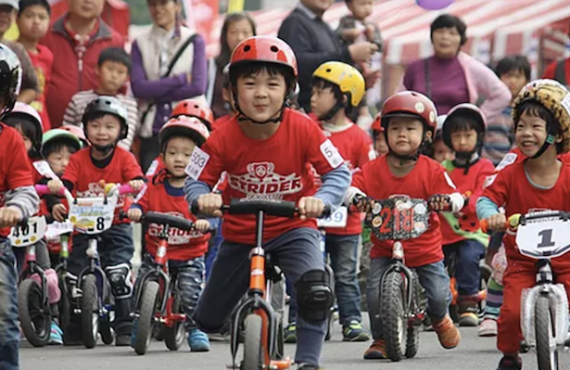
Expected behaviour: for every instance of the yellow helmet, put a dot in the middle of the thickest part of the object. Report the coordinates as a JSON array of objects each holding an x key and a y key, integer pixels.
[{"x": 346, "y": 77}]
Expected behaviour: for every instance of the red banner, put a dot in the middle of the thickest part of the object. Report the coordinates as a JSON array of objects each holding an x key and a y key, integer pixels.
[{"x": 201, "y": 15}]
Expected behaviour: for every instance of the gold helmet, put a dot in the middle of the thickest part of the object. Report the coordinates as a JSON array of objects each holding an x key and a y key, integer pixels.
[
  {"x": 554, "y": 97},
  {"x": 346, "y": 77}
]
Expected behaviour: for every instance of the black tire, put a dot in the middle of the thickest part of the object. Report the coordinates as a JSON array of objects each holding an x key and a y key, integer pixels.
[
  {"x": 414, "y": 328},
  {"x": 252, "y": 348},
  {"x": 145, "y": 321},
  {"x": 89, "y": 311},
  {"x": 547, "y": 357},
  {"x": 280, "y": 341},
  {"x": 454, "y": 313},
  {"x": 486, "y": 272},
  {"x": 64, "y": 311},
  {"x": 174, "y": 336},
  {"x": 106, "y": 332},
  {"x": 394, "y": 322},
  {"x": 35, "y": 319}
]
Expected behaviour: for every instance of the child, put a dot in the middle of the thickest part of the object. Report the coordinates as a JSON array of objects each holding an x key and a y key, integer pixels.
[
  {"x": 105, "y": 124},
  {"x": 186, "y": 250},
  {"x": 542, "y": 123},
  {"x": 113, "y": 70},
  {"x": 268, "y": 143},
  {"x": 33, "y": 22},
  {"x": 409, "y": 119},
  {"x": 380, "y": 145},
  {"x": 18, "y": 200},
  {"x": 514, "y": 71},
  {"x": 463, "y": 131}
]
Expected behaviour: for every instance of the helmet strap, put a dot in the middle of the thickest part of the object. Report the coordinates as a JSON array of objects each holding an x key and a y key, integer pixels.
[
  {"x": 549, "y": 141},
  {"x": 328, "y": 116},
  {"x": 105, "y": 149},
  {"x": 466, "y": 159}
]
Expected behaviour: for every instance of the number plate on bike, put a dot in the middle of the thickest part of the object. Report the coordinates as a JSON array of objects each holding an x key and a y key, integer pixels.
[
  {"x": 92, "y": 215},
  {"x": 336, "y": 219},
  {"x": 544, "y": 237},
  {"x": 398, "y": 218},
  {"x": 32, "y": 232}
]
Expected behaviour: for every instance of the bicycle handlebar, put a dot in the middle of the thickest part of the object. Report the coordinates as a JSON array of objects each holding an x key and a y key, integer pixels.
[
  {"x": 511, "y": 223},
  {"x": 167, "y": 219},
  {"x": 270, "y": 208}
]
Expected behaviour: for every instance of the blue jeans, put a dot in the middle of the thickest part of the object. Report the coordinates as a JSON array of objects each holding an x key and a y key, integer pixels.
[
  {"x": 189, "y": 277},
  {"x": 295, "y": 252},
  {"x": 214, "y": 245},
  {"x": 9, "y": 330},
  {"x": 433, "y": 278},
  {"x": 467, "y": 272}
]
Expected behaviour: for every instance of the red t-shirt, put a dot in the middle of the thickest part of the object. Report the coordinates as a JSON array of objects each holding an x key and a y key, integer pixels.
[
  {"x": 220, "y": 122},
  {"x": 15, "y": 171},
  {"x": 42, "y": 62},
  {"x": 182, "y": 245},
  {"x": 512, "y": 190},
  {"x": 427, "y": 178},
  {"x": 550, "y": 71},
  {"x": 85, "y": 176},
  {"x": 356, "y": 148},
  {"x": 278, "y": 168}
]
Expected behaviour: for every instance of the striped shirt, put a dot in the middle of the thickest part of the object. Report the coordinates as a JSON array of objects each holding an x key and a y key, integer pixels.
[{"x": 74, "y": 113}]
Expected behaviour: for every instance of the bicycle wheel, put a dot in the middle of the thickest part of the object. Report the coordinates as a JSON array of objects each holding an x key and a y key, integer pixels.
[
  {"x": 89, "y": 311},
  {"x": 546, "y": 349},
  {"x": 413, "y": 335},
  {"x": 394, "y": 321},
  {"x": 252, "y": 348},
  {"x": 35, "y": 319},
  {"x": 174, "y": 335},
  {"x": 146, "y": 317}
]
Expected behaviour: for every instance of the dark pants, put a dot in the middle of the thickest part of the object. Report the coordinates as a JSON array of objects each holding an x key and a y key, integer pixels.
[
  {"x": 467, "y": 271},
  {"x": 9, "y": 329},
  {"x": 149, "y": 151},
  {"x": 213, "y": 246}
]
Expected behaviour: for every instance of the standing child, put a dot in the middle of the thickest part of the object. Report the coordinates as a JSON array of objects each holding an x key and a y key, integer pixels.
[
  {"x": 463, "y": 131},
  {"x": 33, "y": 22},
  {"x": 105, "y": 124},
  {"x": 409, "y": 119}
]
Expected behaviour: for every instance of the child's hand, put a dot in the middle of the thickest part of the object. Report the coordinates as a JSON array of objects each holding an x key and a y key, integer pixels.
[
  {"x": 310, "y": 207},
  {"x": 136, "y": 185},
  {"x": 134, "y": 214},
  {"x": 497, "y": 222},
  {"x": 351, "y": 34},
  {"x": 10, "y": 216},
  {"x": 58, "y": 212},
  {"x": 363, "y": 203},
  {"x": 202, "y": 226},
  {"x": 439, "y": 203},
  {"x": 369, "y": 31},
  {"x": 210, "y": 204},
  {"x": 55, "y": 185}
]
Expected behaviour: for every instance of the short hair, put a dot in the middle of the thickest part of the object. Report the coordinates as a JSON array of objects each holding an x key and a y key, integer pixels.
[
  {"x": 323, "y": 84},
  {"x": 449, "y": 21},
  {"x": 115, "y": 54},
  {"x": 513, "y": 63},
  {"x": 56, "y": 146},
  {"x": 27, "y": 3}
]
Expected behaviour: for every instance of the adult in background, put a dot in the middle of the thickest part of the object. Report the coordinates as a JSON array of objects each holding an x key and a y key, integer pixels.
[
  {"x": 450, "y": 77},
  {"x": 76, "y": 40},
  {"x": 314, "y": 43},
  {"x": 169, "y": 65}
]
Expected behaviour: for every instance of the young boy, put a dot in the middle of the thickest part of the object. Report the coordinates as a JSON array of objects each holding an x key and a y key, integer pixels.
[
  {"x": 186, "y": 250},
  {"x": 463, "y": 131},
  {"x": 267, "y": 143},
  {"x": 113, "y": 68},
  {"x": 380, "y": 145},
  {"x": 18, "y": 200},
  {"x": 33, "y": 22},
  {"x": 542, "y": 122},
  {"x": 105, "y": 124},
  {"x": 409, "y": 119}
]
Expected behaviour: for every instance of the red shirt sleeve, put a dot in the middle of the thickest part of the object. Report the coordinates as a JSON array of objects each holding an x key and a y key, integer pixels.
[
  {"x": 365, "y": 151},
  {"x": 498, "y": 190},
  {"x": 143, "y": 201},
  {"x": 358, "y": 180},
  {"x": 487, "y": 170},
  {"x": 19, "y": 171},
  {"x": 214, "y": 166},
  {"x": 72, "y": 170},
  {"x": 441, "y": 183},
  {"x": 131, "y": 168},
  {"x": 550, "y": 70},
  {"x": 321, "y": 152}
]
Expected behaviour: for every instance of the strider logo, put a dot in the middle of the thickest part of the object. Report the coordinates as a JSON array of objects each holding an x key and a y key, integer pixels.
[{"x": 261, "y": 182}]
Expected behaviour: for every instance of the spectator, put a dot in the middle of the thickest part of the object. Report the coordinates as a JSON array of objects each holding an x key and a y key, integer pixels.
[
  {"x": 169, "y": 64},
  {"x": 315, "y": 43},
  {"x": 113, "y": 70},
  {"x": 29, "y": 89},
  {"x": 559, "y": 70},
  {"x": 76, "y": 39},
  {"x": 236, "y": 27},
  {"x": 451, "y": 77},
  {"x": 33, "y": 22}
]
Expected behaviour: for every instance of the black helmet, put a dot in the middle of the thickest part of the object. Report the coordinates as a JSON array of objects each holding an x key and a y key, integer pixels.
[
  {"x": 10, "y": 78},
  {"x": 106, "y": 105}
]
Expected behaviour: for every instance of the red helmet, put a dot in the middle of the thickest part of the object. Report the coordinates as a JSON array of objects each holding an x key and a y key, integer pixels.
[
  {"x": 376, "y": 125},
  {"x": 194, "y": 108},
  {"x": 264, "y": 49},
  {"x": 78, "y": 132},
  {"x": 410, "y": 104},
  {"x": 191, "y": 127}
]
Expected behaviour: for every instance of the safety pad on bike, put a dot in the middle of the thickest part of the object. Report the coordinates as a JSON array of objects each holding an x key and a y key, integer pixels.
[{"x": 398, "y": 218}]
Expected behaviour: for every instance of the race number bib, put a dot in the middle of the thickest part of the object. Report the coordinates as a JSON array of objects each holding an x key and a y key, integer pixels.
[
  {"x": 398, "y": 219},
  {"x": 57, "y": 229},
  {"x": 331, "y": 154},
  {"x": 32, "y": 232},
  {"x": 544, "y": 237},
  {"x": 336, "y": 219},
  {"x": 44, "y": 169},
  {"x": 198, "y": 162},
  {"x": 92, "y": 215}
]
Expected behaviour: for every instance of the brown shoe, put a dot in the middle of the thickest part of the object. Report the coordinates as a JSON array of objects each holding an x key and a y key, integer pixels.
[
  {"x": 377, "y": 351},
  {"x": 447, "y": 333}
]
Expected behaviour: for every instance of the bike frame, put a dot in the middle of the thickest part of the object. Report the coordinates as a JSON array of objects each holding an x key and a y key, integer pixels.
[{"x": 31, "y": 268}]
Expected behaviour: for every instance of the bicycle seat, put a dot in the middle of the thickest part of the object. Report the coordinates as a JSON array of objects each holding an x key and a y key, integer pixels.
[{"x": 272, "y": 271}]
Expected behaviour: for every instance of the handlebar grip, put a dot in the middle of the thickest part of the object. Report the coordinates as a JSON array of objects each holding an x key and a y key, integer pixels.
[
  {"x": 194, "y": 207},
  {"x": 326, "y": 211},
  {"x": 44, "y": 190},
  {"x": 126, "y": 189},
  {"x": 484, "y": 225}
]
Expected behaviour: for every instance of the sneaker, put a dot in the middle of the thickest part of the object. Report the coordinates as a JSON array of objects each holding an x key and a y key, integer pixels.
[
  {"x": 468, "y": 319},
  {"x": 123, "y": 340},
  {"x": 354, "y": 332},
  {"x": 291, "y": 333},
  {"x": 308, "y": 367},
  {"x": 198, "y": 341},
  {"x": 377, "y": 351},
  {"x": 510, "y": 363},
  {"x": 488, "y": 328},
  {"x": 56, "y": 334},
  {"x": 447, "y": 333}
]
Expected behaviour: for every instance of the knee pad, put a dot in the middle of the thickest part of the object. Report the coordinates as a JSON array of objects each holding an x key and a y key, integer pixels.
[
  {"x": 120, "y": 280},
  {"x": 314, "y": 295}
]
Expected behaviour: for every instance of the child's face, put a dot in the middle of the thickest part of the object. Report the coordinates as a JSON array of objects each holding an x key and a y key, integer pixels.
[
  {"x": 261, "y": 96},
  {"x": 27, "y": 140},
  {"x": 515, "y": 81},
  {"x": 177, "y": 155},
  {"x": 380, "y": 145},
  {"x": 112, "y": 76},
  {"x": 530, "y": 134},
  {"x": 361, "y": 9},
  {"x": 464, "y": 140},
  {"x": 59, "y": 160},
  {"x": 104, "y": 130},
  {"x": 237, "y": 32},
  {"x": 33, "y": 23},
  {"x": 405, "y": 135},
  {"x": 441, "y": 152},
  {"x": 322, "y": 100}
]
